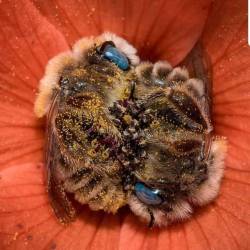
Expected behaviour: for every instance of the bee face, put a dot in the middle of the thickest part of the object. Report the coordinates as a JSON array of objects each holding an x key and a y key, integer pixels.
[{"x": 122, "y": 132}]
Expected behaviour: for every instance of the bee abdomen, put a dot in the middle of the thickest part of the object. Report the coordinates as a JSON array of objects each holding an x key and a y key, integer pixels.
[
  {"x": 96, "y": 191},
  {"x": 186, "y": 146},
  {"x": 78, "y": 179},
  {"x": 92, "y": 186},
  {"x": 188, "y": 107},
  {"x": 178, "y": 119},
  {"x": 110, "y": 199}
]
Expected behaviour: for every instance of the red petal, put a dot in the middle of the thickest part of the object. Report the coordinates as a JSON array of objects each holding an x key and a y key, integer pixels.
[
  {"x": 158, "y": 29},
  {"x": 226, "y": 224},
  {"x": 27, "y": 41},
  {"x": 27, "y": 221},
  {"x": 230, "y": 55}
]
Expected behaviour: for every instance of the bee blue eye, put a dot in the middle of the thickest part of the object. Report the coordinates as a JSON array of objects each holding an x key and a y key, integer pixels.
[
  {"x": 147, "y": 195},
  {"x": 114, "y": 55}
]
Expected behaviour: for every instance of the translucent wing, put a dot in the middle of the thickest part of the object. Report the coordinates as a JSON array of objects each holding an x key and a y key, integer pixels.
[
  {"x": 199, "y": 66},
  {"x": 60, "y": 200}
]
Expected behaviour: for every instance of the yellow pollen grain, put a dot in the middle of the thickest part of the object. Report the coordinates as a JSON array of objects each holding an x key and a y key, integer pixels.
[
  {"x": 126, "y": 91},
  {"x": 91, "y": 153},
  {"x": 127, "y": 119},
  {"x": 154, "y": 124},
  {"x": 94, "y": 143},
  {"x": 78, "y": 72},
  {"x": 105, "y": 154}
]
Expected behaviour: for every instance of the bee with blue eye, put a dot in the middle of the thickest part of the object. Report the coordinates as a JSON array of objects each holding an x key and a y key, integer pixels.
[{"x": 124, "y": 132}]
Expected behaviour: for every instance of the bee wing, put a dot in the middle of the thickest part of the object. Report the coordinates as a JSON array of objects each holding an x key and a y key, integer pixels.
[
  {"x": 60, "y": 200},
  {"x": 199, "y": 66}
]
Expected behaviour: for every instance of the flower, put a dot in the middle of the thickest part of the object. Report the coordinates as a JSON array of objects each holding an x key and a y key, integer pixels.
[{"x": 32, "y": 32}]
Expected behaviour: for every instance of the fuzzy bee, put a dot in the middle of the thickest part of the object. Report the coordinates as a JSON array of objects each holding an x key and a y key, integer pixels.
[{"x": 123, "y": 132}]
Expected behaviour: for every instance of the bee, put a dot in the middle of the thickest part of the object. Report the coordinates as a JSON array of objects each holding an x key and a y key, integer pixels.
[{"x": 124, "y": 132}]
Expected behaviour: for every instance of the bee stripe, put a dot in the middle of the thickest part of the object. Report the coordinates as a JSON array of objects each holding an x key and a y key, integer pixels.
[
  {"x": 76, "y": 182},
  {"x": 80, "y": 174},
  {"x": 92, "y": 187},
  {"x": 160, "y": 102},
  {"x": 95, "y": 191},
  {"x": 178, "y": 119},
  {"x": 185, "y": 146},
  {"x": 99, "y": 200},
  {"x": 187, "y": 106}
]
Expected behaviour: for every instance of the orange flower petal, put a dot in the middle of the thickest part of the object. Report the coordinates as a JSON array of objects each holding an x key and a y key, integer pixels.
[
  {"x": 158, "y": 29},
  {"x": 230, "y": 57},
  {"x": 27, "y": 41},
  {"x": 28, "y": 222},
  {"x": 226, "y": 224}
]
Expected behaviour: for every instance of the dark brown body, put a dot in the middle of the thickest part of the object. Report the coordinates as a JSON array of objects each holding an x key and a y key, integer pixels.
[{"x": 109, "y": 129}]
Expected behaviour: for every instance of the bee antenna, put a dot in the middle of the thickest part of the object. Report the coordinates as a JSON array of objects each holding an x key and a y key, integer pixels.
[{"x": 152, "y": 218}]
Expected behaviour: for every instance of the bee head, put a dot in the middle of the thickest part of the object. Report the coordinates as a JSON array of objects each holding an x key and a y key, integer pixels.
[
  {"x": 107, "y": 46},
  {"x": 162, "y": 186},
  {"x": 166, "y": 187}
]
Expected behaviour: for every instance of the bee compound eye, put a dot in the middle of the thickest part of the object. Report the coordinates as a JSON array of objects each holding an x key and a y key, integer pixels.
[
  {"x": 111, "y": 53},
  {"x": 147, "y": 195}
]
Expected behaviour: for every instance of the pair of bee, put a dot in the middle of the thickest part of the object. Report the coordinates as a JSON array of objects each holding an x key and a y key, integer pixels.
[{"x": 123, "y": 132}]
